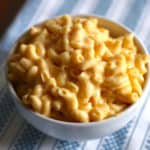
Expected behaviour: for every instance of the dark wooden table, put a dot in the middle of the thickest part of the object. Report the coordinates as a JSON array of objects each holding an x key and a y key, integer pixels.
[{"x": 8, "y": 11}]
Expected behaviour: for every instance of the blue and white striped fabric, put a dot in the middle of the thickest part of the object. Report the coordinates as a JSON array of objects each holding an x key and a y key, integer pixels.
[{"x": 16, "y": 134}]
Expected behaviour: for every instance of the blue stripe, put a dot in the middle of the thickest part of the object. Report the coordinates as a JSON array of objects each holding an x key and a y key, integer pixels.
[
  {"x": 117, "y": 139},
  {"x": 18, "y": 26},
  {"x": 67, "y": 7},
  {"x": 28, "y": 139},
  {"x": 102, "y": 7},
  {"x": 67, "y": 145},
  {"x": 134, "y": 14}
]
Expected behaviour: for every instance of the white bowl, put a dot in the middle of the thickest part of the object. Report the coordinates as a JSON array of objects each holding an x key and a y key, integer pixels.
[{"x": 84, "y": 131}]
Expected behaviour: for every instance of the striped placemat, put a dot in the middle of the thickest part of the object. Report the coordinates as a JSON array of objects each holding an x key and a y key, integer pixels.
[{"x": 17, "y": 134}]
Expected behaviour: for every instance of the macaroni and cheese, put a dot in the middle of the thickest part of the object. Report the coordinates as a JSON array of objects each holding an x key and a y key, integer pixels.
[{"x": 72, "y": 69}]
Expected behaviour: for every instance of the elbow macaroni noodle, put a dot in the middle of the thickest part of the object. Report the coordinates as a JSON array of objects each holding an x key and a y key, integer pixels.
[{"x": 72, "y": 69}]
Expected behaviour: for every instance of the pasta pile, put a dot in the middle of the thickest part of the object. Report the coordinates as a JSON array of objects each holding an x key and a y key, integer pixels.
[{"x": 72, "y": 69}]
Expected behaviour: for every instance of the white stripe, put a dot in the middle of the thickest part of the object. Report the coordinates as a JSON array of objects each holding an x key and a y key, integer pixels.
[
  {"x": 2, "y": 77},
  {"x": 146, "y": 139},
  {"x": 48, "y": 144},
  {"x": 146, "y": 26},
  {"x": 137, "y": 119},
  {"x": 119, "y": 9},
  {"x": 126, "y": 9},
  {"x": 140, "y": 129},
  {"x": 7, "y": 125},
  {"x": 143, "y": 26},
  {"x": 38, "y": 12},
  {"x": 56, "y": 8},
  {"x": 146, "y": 40},
  {"x": 111, "y": 9},
  {"x": 11, "y": 132},
  {"x": 85, "y": 6},
  {"x": 49, "y": 9},
  {"x": 91, "y": 145},
  {"x": 144, "y": 20}
]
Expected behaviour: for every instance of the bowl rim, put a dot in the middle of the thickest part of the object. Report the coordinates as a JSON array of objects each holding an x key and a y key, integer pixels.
[{"x": 77, "y": 124}]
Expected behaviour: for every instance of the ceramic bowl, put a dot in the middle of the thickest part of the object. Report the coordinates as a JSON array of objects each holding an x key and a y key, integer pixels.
[{"x": 84, "y": 131}]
